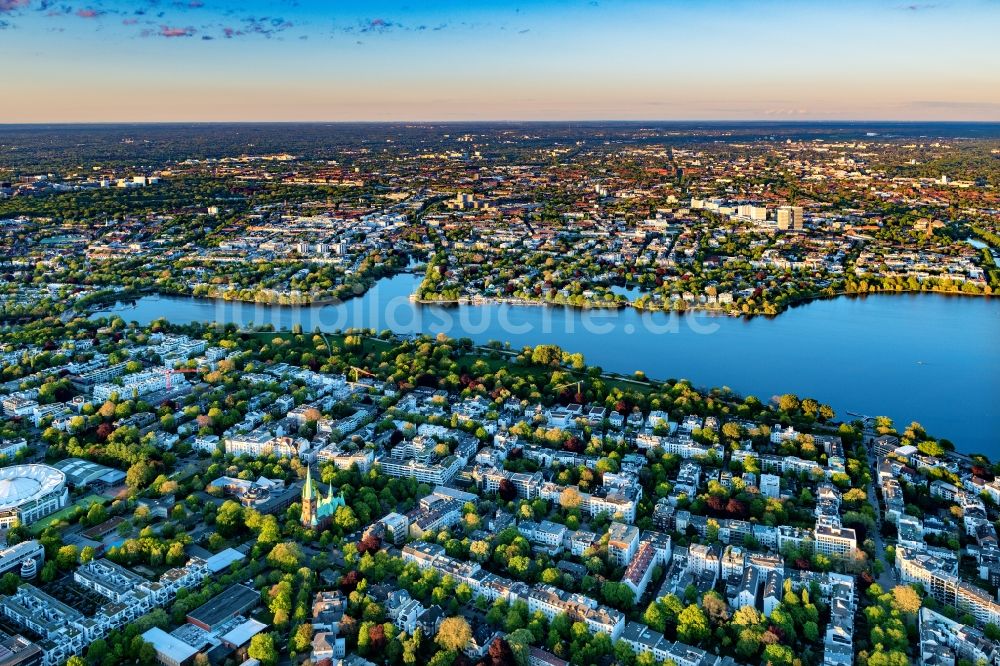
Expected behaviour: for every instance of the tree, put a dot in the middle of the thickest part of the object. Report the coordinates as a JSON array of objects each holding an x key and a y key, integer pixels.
[
  {"x": 789, "y": 402},
  {"x": 270, "y": 531},
  {"x": 454, "y": 634},
  {"x": 443, "y": 658},
  {"x": 107, "y": 410},
  {"x": 98, "y": 650},
  {"x": 546, "y": 355},
  {"x": 931, "y": 448},
  {"x": 9, "y": 583},
  {"x": 146, "y": 652},
  {"x": 692, "y": 625},
  {"x": 778, "y": 655},
  {"x": 905, "y": 599},
  {"x": 287, "y": 556},
  {"x": 229, "y": 518},
  {"x": 138, "y": 475},
  {"x": 747, "y": 616},
  {"x": 520, "y": 643},
  {"x": 732, "y": 430},
  {"x": 302, "y": 638},
  {"x": 175, "y": 554},
  {"x": 479, "y": 550},
  {"x": 624, "y": 655},
  {"x": 263, "y": 649},
  {"x": 49, "y": 571},
  {"x": 654, "y": 617},
  {"x": 500, "y": 653},
  {"x": 747, "y": 644},
  {"x": 67, "y": 556},
  {"x": 96, "y": 514},
  {"x": 715, "y": 608},
  {"x": 519, "y": 565},
  {"x": 855, "y": 495},
  {"x": 618, "y": 595},
  {"x": 507, "y": 490},
  {"x": 570, "y": 498},
  {"x": 345, "y": 519}
]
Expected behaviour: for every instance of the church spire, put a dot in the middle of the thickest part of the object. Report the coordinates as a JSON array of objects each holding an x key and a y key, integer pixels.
[{"x": 308, "y": 490}]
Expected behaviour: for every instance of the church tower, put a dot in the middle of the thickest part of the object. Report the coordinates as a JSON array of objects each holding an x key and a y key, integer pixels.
[{"x": 309, "y": 501}]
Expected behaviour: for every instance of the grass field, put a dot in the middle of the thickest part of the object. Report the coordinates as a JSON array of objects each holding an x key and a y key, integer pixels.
[{"x": 63, "y": 514}]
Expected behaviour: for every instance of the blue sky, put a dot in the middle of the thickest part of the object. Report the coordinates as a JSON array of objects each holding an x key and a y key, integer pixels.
[{"x": 161, "y": 60}]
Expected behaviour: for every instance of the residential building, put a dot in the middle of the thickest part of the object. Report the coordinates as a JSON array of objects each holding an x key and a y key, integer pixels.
[
  {"x": 835, "y": 541},
  {"x": 623, "y": 542}
]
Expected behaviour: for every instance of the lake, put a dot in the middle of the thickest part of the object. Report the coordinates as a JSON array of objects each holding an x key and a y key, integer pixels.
[{"x": 926, "y": 357}]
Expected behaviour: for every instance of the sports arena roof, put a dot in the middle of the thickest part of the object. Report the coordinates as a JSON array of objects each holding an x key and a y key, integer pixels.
[
  {"x": 20, "y": 484},
  {"x": 81, "y": 472}
]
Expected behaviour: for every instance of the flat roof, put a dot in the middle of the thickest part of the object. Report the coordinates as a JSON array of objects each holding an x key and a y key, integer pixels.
[
  {"x": 229, "y": 603},
  {"x": 171, "y": 646},
  {"x": 223, "y": 559},
  {"x": 242, "y": 634}
]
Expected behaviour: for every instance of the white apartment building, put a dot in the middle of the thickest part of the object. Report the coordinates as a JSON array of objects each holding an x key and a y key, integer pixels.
[
  {"x": 551, "y": 602},
  {"x": 835, "y": 541},
  {"x": 10, "y": 447},
  {"x": 258, "y": 443},
  {"x": 770, "y": 485},
  {"x": 139, "y": 384},
  {"x": 547, "y": 535}
]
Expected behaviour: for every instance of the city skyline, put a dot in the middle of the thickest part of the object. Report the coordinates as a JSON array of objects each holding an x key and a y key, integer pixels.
[{"x": 110, "y": 61}]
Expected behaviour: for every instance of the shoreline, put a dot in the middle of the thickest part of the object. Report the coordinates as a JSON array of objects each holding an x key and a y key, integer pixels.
[
  {"x": 700, "y": 309},
  {"x": 683, "y": 355},
  {"x": 476, "y": 301}
]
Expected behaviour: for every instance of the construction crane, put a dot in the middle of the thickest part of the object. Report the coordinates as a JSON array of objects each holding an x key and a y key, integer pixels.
[
  {"x": 170, "y": 372},
  {"x": 579, "y": 389},
  {"x": 326, "y": 340},
  {"x": 361, "y": 371}
]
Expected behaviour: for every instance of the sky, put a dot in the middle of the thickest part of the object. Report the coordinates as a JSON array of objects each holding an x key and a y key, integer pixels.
[{"x": 439, "y": 60}]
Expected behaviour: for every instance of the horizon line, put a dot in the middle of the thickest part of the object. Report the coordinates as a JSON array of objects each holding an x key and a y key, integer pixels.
[{"x": 802, "y": 121}]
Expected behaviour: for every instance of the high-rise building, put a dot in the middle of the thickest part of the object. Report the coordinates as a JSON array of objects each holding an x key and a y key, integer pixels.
[{"x": 791, "y": 218}]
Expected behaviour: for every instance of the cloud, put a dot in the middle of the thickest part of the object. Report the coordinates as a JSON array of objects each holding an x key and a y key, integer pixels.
[
  {"x": 379, "y": 25},
  {"x": 12, "y": 5},
  {"x": 264, "y": 26},
  {"x": 176, "y": 18},
  {"x": 168, "y": 31},
  {"x": 200, "y": 18}
]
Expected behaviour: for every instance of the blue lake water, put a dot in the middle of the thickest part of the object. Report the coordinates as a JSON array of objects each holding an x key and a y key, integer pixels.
[{"x": 925, "y": 357}]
